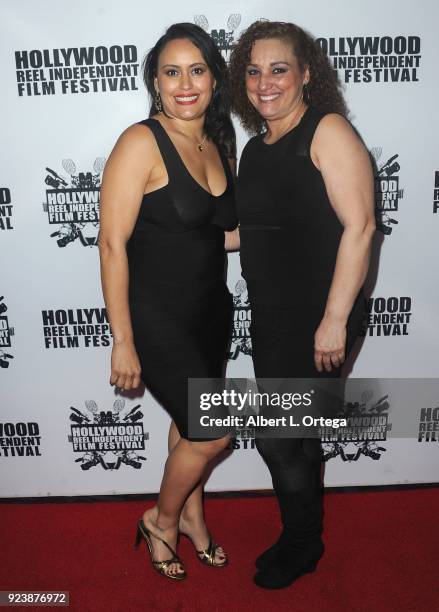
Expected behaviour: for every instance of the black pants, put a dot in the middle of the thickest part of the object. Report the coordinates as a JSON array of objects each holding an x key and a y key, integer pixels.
[
  {"x": 294, "y": 465},
  {"x": 283, "y": 347}
]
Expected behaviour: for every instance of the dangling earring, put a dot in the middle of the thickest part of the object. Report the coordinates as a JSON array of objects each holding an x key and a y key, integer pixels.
[
  {"x": 158, "y": 102},
  {"x": 305, "y": 93},
  {"x": 212, "y": 100}
]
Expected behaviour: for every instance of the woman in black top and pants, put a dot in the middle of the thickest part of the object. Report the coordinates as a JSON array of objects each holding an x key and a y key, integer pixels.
[{"x": 305, "y": 204}]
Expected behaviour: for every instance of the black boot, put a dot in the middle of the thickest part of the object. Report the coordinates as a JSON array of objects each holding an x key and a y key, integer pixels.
[
  {"x": 300, "y": 545},
  {"x": 297, "y": 563},
  {"x": 273, "y": 553}
]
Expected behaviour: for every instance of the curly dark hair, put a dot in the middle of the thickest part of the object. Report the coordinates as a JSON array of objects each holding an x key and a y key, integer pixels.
[
  {"x": 218, "y": 124},
  {"x": 323, "y": 89}
]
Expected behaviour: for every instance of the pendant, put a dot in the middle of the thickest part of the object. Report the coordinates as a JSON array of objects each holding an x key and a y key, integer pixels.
[{"x": 200, "y": 147}]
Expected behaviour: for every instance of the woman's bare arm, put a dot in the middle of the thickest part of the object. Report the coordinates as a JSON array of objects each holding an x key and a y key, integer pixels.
[
  {"x": 232, "y": 239},
  {"x": 347, "y": 172},
  {"x": 125, "y": 176}
]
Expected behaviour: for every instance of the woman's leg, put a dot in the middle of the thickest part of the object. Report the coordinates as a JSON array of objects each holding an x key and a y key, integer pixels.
[
  {"x": 281, "y": 348},
  {"x": 294, "y": 465},
  {"x": 192, "y": 520},
  {"x": 183, "y": 471}
]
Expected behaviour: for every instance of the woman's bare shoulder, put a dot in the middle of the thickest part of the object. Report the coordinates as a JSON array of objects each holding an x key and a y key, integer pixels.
[
  {"x": 333, "y": 123},
  {"x": 137, "y": 136}
]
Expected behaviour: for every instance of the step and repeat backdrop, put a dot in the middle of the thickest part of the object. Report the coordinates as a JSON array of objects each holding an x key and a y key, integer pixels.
[{"x": 71, "y": 84}]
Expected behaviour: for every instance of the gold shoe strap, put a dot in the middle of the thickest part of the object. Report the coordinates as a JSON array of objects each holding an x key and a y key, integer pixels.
[
  {"x": 209, "y": 553},
  {"x": 163, "y": 565},
  {"x": 148, "y": 532}
]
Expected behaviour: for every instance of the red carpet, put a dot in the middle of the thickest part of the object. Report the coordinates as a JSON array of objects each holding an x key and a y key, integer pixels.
[{"x": 382, "y": 554}]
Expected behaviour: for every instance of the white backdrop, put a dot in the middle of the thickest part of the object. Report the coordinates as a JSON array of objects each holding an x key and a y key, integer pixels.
[{"x": 70, "y": 86}]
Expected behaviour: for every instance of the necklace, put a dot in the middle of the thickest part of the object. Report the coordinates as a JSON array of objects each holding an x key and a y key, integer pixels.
[{"x": 200, "y": 144}]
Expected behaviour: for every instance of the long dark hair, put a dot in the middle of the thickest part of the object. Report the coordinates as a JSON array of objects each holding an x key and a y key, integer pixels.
[
  {"x": 323, "y": 89},
  {"x": 218, "y": 124}
]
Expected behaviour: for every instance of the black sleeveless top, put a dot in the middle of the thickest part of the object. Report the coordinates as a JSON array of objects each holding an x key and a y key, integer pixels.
[
  {"x": 289, "y": 230},
  {"x": 176, "y": 250}
]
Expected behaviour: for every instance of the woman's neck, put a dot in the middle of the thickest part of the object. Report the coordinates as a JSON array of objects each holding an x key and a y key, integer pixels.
[
  {"x": 191, "y": 128},
  {"x": 276, "y": 128}
]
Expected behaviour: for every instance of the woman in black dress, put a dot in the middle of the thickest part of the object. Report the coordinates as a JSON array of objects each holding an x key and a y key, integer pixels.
[
  {"x": 306, "y": 212},
  {"x": 167, "y": 215}
]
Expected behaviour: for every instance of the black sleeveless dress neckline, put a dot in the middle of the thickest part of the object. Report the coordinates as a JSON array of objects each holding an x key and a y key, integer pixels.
[
  {"x": 180, "y": 306},
  {"x": 183, "y": 204},
  {"x": 297, "y": 126},
  {"x": 226, "y": 167}
]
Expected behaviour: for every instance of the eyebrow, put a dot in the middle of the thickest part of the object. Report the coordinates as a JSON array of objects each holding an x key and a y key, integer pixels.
[
  {"x": 177, "y": 66},
  {"x": 272, "y": 63}
]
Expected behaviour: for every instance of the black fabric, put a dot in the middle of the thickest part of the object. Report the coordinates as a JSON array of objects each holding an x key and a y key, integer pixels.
[
  {"x": 181, "y": 309},
  {"x": 289, "y": 240}
]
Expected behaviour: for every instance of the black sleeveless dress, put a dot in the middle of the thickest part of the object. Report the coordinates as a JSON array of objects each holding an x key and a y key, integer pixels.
[
  {"x": 289, "y": 240},
  {"x": 181, "y": 308}
]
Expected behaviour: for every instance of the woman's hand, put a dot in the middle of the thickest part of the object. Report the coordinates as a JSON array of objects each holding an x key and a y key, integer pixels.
[
  {"x": 329, "y": 344},
  {"x": 125, "y": 366},
  {"x": 232, "y": 240}
]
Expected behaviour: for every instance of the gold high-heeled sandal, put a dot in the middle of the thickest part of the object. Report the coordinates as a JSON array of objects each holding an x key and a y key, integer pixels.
[
  {"x": 207, "y": 556},
  {"x": 160, "y": 566}
]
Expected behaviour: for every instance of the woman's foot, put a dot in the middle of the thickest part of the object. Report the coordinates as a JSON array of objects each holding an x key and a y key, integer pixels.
[
  {"x": 160, "y": 550},
  {"x": 195, "y": 529}
]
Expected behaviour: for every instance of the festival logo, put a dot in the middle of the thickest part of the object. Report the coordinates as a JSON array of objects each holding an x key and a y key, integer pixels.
[
  {"x": 20, "y": 440},
  {"x": 5, "y": 209},
  {"x": 428, "y": 425},
  {"x": 387, "y": 190},
  {"x": 243, "y": 439},
  {"x": 76, "y": 327},
  {"x": 387, "y": 316},
  {"x": 374, "y": 59},
  {"x": 367, "y": 426},
  {"x": 47, "y": 72},
  {"x": 241, "y": 341},
  {"x": 108, "y": 438},
  {"x": 224, "y": 39},
  {"x": 72, "y": 203},
  {"x": 6, "y": 333},
  {"x": 436, "y": 192}
]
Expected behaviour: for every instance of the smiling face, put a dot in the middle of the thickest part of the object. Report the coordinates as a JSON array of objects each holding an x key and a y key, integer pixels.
[
  {"x": 274, "y": 80},
  {"x": 184, "y": 80}
]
